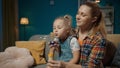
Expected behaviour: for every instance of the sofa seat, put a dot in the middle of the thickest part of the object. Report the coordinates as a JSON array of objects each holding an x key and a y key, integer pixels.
[{"x": 114, "y": 38}]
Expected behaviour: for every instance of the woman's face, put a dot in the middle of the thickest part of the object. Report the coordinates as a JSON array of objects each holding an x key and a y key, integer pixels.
[
  {"x": 83, "y": 17},
  {"x": 59, "y": 28}
]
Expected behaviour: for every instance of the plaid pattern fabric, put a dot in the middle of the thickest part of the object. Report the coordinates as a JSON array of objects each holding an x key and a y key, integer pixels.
[{"x": 92, "y": 50}]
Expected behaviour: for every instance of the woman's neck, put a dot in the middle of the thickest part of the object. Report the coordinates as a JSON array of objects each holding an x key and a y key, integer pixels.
[
  {"x": 83, "y": 30},
  {"x": 83, "y": 33}
]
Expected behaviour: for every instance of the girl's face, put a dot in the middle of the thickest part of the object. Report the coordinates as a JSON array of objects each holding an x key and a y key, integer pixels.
[
  {"x": 59, "y": 29},
  {"x": 84, "y": 17}
]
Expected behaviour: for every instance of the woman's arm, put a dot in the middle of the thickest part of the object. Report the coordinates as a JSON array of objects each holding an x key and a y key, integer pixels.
[{"x": 97, "y": 53}]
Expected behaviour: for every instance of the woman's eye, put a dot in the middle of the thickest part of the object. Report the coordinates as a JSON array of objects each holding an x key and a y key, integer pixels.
[{"x": 82, "y": 14}]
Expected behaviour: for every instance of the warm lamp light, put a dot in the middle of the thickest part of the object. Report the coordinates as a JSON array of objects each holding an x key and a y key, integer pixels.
[
  {"x": 24, "y": 21},
  {"x": 97, "y": 1}
]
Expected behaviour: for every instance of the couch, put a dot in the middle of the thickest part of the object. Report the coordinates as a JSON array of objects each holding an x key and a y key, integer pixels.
[
  {"x": 113, "y": 40},
  {"x": 112, "y": 43}
]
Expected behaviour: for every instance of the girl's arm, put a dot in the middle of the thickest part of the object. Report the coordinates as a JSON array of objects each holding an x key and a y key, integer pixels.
[
  {"x": 75, "y": 50},
  {"x": 76, "y": 56},
  {"x": 51, "y": 53},
  {"x": 53, "y": 46}
]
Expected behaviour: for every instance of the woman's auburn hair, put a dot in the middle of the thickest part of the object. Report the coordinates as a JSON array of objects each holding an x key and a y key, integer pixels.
[{"x": 99, "y": 24}]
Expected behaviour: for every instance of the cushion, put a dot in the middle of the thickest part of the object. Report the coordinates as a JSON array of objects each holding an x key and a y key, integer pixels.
[
  {"x": 116, "y": 60},
  {"x": 109, "y": 53},
  {"x": 36, "y": 48},
  {"x": 14, "y": 57}
]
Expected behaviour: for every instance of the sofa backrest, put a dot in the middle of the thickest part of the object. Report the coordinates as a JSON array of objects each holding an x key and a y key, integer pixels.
[
  {"x": 114, "y": 38},
  {"x": 42, "y": 37},
  {"x": 111, "y": 44}
]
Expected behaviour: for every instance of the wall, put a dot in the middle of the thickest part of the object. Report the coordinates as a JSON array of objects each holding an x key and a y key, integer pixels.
[
  {"x": 115, "y": 4},
  {"x": 0, "y": 25},
  {"x": 41, "y": 15}
]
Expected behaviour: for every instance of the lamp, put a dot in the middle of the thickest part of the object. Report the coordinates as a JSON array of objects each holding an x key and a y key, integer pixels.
[
  {"x": 24, "y": 21},
  {"x": 97, "y": 1}
]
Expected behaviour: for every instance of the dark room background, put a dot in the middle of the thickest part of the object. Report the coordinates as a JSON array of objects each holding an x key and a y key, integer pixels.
[
  {"x": 0, "y": 24},
  {"x": 41, "y": 14}
]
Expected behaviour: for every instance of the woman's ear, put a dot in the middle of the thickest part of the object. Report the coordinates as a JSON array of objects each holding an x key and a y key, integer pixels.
[{"x": 94, "y": 19}]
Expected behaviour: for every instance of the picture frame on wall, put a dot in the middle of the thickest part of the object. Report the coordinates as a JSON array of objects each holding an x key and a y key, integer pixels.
[{"x": 108, "y": 14}]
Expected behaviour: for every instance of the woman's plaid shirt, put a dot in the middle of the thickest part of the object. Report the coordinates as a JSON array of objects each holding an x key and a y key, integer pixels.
[{"x": 92, "y": 50}]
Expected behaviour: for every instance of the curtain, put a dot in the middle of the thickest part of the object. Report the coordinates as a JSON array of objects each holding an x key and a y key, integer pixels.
[{"x": 10, "y": 22}]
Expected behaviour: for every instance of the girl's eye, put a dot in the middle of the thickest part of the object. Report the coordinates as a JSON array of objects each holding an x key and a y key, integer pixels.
[
  {"x": 59, "y": 27},
  {"x": 56, "y": 28},
  {"x": 83, "y": 15}
]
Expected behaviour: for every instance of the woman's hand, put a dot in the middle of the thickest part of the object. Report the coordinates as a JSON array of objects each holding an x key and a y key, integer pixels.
[
  {"x": 61, "y": 64},
  {"x": 56, "y": 64}
]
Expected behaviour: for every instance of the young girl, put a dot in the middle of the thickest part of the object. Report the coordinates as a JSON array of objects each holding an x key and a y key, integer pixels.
[{"x": 68, "y": 45}]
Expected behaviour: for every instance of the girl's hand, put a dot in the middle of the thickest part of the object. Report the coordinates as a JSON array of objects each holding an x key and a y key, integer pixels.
[
  {"x": 56, "y": 64},
  {"x": 54, "y": 45}
]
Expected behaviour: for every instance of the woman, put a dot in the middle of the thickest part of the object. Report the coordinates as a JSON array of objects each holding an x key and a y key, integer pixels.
[{"x": 91, "y": 36}]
